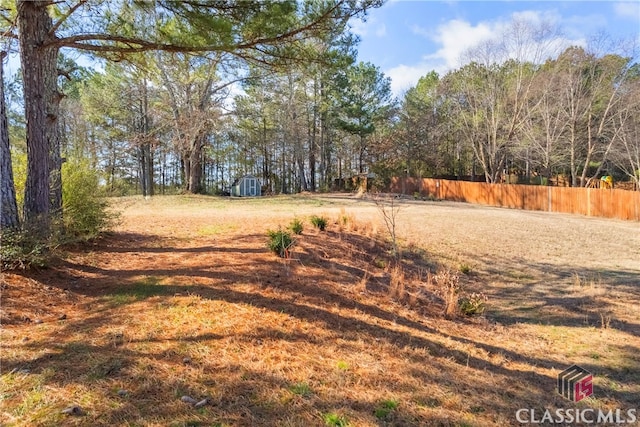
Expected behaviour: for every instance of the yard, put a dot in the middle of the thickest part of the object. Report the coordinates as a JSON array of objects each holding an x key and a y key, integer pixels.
[{"x": 184, "y": 299}]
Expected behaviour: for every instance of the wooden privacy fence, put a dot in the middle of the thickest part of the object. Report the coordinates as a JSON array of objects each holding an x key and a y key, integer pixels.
[{"x": 622, "y": 204}]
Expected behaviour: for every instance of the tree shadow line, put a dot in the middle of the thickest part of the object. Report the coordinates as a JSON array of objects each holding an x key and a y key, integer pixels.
[{"x": 299, "y": 299}]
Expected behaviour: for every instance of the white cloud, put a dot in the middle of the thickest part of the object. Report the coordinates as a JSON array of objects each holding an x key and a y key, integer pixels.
[
  {"x": 456, "y": 37},
  {"x": 370, "y": 26},
  {"x": 404, "y": 77},
  {"x": 627, "y": 9}
]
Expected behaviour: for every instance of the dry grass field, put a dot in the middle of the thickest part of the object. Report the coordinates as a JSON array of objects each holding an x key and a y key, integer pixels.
[{"x": 183, "y": 298}]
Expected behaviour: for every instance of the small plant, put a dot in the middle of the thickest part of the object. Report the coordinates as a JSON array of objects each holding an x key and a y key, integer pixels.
[
  {"x": 343, "y": 219},
  {"x": 449, "y": 283},
  {"x": 319, "y": 222},
  {"x": 473, "y": 304},
  {"x": 397, "y": 288},
  {"x": 296, "y": 226},
  {"x": 390, "y": 208},
  {"x": 335, "y": 420},
  {"x": 385, "y": 408},
  {"x": 465, "y": 269},
  {"x": 587, "y": 282},
  {"x": 380, "y": 263},
  {"x": 22, "y": 250},
  {"x": 342, "y": 365},
  {"x": 301, "y": 389},
  {"x": 605, "y": 320},
  {"x": 416, "y": 195},
  {"x": 280, "y": 242},
  {"x": 362, "y": 286}
]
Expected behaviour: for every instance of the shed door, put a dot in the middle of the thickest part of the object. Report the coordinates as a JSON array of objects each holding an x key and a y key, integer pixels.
[{"x": 252, "y": 187}]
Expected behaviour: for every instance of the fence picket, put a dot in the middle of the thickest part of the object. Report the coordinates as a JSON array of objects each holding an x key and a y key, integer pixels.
[{"x": 614, "y": 203}]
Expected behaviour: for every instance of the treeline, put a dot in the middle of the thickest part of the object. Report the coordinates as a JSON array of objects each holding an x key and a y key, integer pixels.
[
  {"x": 171, "y": 122},
  {"x": 525, "y": 107},
  {"x": 182, "y": 123},
  {"x": 154, "y": 113},
  {"x": 173, "y": 111},
  {"x": 575, "y": 115}
]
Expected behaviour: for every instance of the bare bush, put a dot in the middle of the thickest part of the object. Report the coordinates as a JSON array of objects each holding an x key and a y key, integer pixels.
[
  {"x": 448, "y": 281},
  {"x": 389, "y": 207},
  {"x": 397, "y": 286}
]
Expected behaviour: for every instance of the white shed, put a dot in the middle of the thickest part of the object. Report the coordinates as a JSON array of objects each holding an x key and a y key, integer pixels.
[{"x": 246, "y": 186}]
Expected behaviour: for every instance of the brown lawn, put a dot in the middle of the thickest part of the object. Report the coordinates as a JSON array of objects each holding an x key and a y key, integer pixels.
[{"x": 184, "y": 299}]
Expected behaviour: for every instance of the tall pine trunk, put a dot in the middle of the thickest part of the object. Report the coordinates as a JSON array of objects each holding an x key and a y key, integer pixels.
[
  {"x": 195, "y": 165},
  {"x": 9, "y": 215},
  {"x": 146, "y": 152},
  {"x": 39, "y": 75}
]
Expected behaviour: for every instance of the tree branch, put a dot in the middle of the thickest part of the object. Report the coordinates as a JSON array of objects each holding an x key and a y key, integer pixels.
[
  {"x": 60, "y": 21},
  {"x": 135, "y": 45}
]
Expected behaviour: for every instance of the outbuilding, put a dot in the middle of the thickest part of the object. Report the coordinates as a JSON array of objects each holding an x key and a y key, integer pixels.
[{"x": 246, "y": 186}]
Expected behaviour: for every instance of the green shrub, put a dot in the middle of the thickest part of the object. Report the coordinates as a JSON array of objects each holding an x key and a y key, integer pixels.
[
  {"x": 21, "y": 250},
  {"x": 296, "y": 226},
  {"x": 473, "y": 304},
  {"x": 85, "y": 212},
  {"x": 19, "y": 165},
  {"x": 85, "y": 215},
  {"x": 301, "y": 389},
  {"x": 335, "y": 420},
  {"x": 319, "y": 222},
  {"x": 280, "y": 242},
  {"x": 385, "y": 408}
]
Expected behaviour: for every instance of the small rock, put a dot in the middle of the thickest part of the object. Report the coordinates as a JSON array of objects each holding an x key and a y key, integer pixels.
[
  {"x": 188, "y": 399},
  {"x": 24, "y": 371},
  {"x": 201, "y": 403},
  {"x": 123, "y": 393},
  {"x": 63, "y": 317},
  {"x": 73, "y": 410},
  {"x": 38, "y": 321},
  {"x": 25, "y": 339},
  {"x": 186, "y": 360}
]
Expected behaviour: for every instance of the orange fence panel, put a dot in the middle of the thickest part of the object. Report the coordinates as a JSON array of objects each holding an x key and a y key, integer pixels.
[{"x": 615, "y": 203}]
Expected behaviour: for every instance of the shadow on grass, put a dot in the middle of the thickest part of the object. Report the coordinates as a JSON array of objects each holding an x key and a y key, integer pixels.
[
  {"x": 541, "y": 293},
  {"x": 241, "y": 395}
]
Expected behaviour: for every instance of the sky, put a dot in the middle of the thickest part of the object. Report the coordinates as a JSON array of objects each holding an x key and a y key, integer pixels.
[{"x": 408, "y": 39}]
